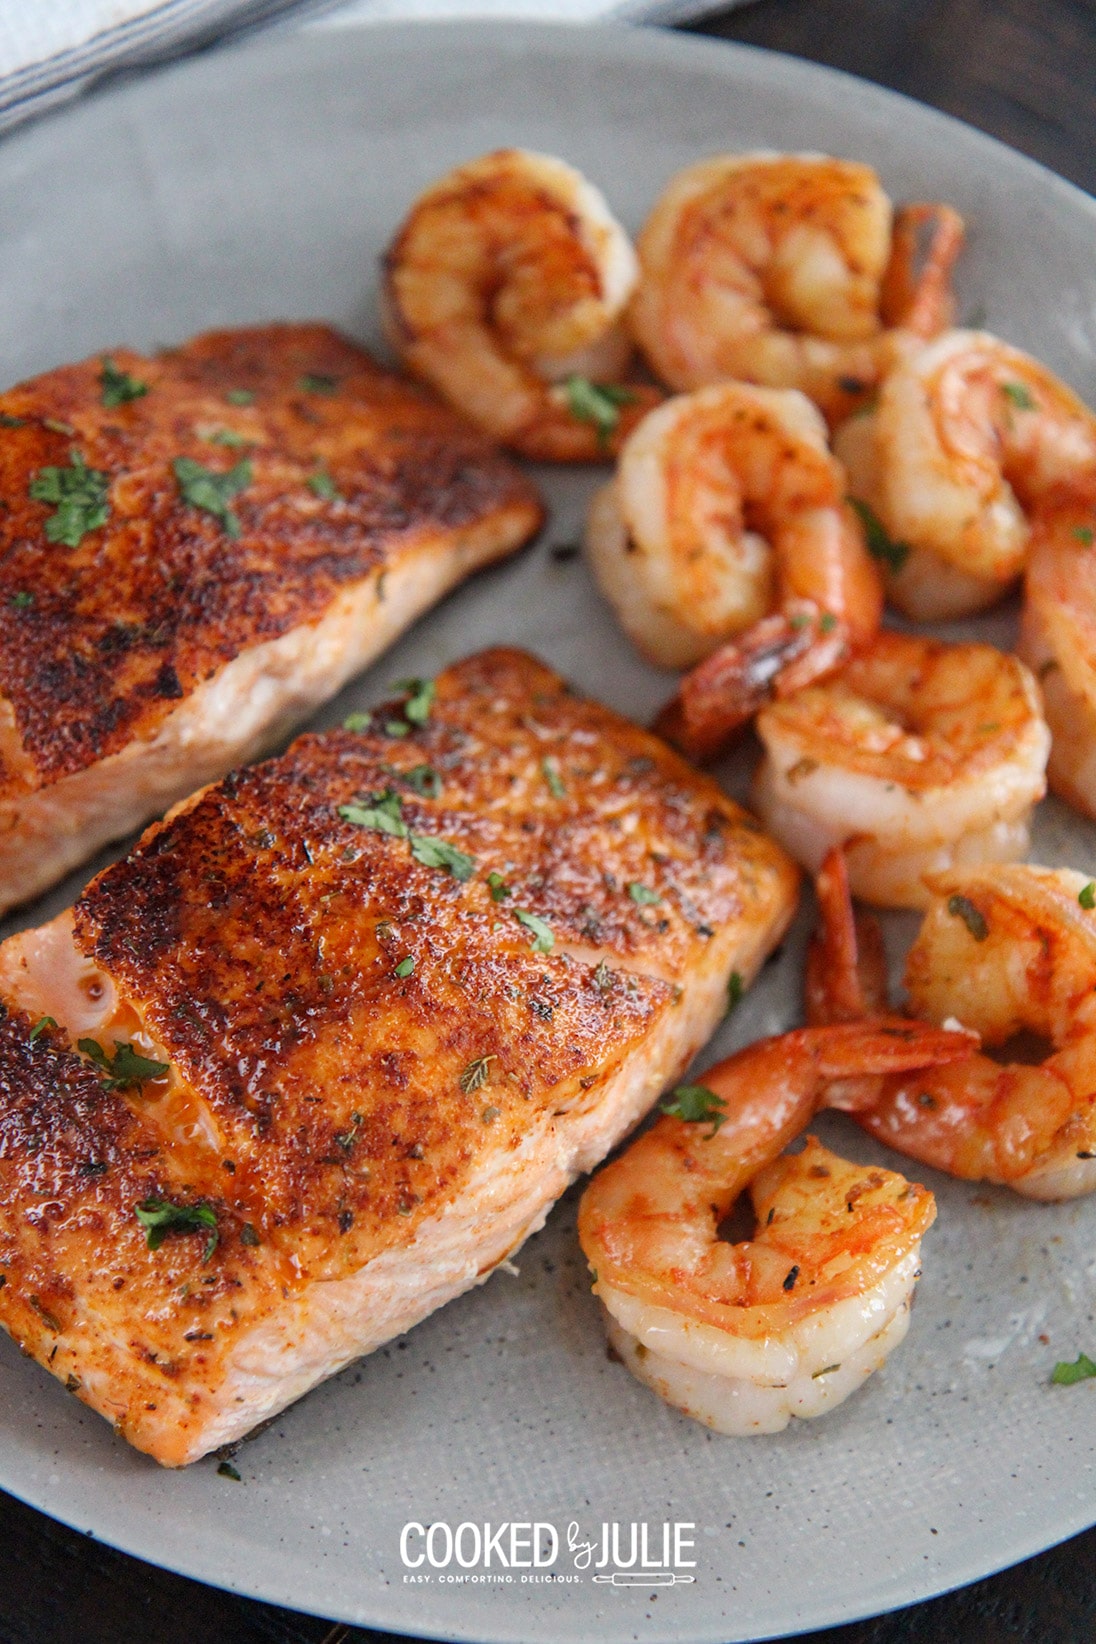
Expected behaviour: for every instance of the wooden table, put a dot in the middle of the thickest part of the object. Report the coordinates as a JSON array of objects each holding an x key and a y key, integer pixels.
[{"x": 1024, "y": 70}]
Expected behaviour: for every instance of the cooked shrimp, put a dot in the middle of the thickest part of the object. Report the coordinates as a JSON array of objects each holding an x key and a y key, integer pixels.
[
  {"x": 1007, "y": 951},
  {"x": 969, "y": 435},
  {"x": 1058, "y": 640},
  {"x": 918, "y": 756},
  {"x": 504, "y": 288},
  {"x": 782, "y": 269},
  {"x": 745, "y": 1336},
  {"x": 726, "y": 503}
]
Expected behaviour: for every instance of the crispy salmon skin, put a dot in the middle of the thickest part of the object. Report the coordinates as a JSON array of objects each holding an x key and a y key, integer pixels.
[
  {"x": 393, "y": 991},
  {"x": 195, "y": 550}
]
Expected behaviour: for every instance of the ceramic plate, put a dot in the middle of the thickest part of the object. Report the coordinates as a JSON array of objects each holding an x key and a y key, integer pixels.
[{"x": 260, "y": 183}]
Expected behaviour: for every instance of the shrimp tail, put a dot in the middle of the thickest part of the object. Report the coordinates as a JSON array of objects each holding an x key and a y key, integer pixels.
[
  {"x": 916, "y": 294},
  {"x": 846, "y": 972},
  {"x": 779, "y": 655}
]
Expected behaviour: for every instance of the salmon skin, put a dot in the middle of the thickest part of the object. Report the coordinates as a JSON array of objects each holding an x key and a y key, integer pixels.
[
  {"x": 391, "y": 992},
  {"x": 196, "y": 550}
]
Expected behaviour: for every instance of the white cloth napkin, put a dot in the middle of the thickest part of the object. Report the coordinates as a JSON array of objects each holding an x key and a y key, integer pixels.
[{"x": 51, "y": 49}]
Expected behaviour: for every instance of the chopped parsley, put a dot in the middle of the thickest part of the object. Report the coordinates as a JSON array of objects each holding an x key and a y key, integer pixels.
[
  {"x": 1081, "y": 1369},
  {"x": 597, "y": 403},
  {"x": 881, "y": 545},
  {"x": 323, "y": 486},
  {"x": 40, "y": 1026},
  {"x": 961, "y": 907},
  {"x": 224, "y": 436},
  {"x": 543, "y": 939},
  {"x": 225, "y": 1469},
  {"x": 827, "y": 622},
  {"x": 1087, "y": 895},
  {"x": 550, "y": 772},
  {"x": 420, "y": 698},
  {"x": 211, "y": 492},
  {"x": 118, "y": 387},
  {"x": 22, "y": 600},
  {"x": 1084, "y": 534},
  {"x": 240, "y": 396},
  {"x": 126, "y": 1067},
  {"x": 8, "y": 421},
  {"x": 498, "y": 887},
  {"x": 382, "y": 813},
  {"x": 476, "y": 1074},
  {"x": 438, "y": 853},
  {"x": 735, "y": 989},
  {"x": 424, "y": 779},
  {"x": 160, "y": 1217},
  {"x": 316, "y": 382},
  {"x": 603, "y": 977},
  {"x": 357, "y": 722},
  {"x": 697, "y": 1105},
  {"x": 406, "y": 966},
  {"x": 1020, "y": 395},
  {"x": 249, "y": 1235},
  {"x": 80, "y": 496},
  {"x": 642, "y": 894}
]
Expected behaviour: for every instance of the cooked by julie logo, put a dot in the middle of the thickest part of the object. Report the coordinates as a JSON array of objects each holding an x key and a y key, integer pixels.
[{"x": 635, "y": 1554}]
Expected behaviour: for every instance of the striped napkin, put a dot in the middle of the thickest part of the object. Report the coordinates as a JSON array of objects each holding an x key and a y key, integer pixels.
[{"x": 51, "y": 49}]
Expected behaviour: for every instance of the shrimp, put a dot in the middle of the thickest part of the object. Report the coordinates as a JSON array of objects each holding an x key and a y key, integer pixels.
[
  {"x": 1009, "y": 952},
  {"x": 782, "y": 269},
  {"x": 1058, "y": 640},
  {"x": 504, "y": 288},
  {"x": 727, "y": 502},
  {"x": 745, "y": 1336},
  {"x": 917, "y": 757},
  {"x": 968, "y": 437}
]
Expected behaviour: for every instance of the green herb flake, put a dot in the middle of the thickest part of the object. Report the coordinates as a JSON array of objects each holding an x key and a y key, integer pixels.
[
  {"x": 118, "y": 387},
  {"x": 961, "y": 907},
  {"x": 225, "y": 1469},
  {"x": 476, "y": 1074},
  {"x": 160, "y": 1217},
  {"x": 357, "y": 722},
  {"x": 424, "y": 779},
  {"x": 323, "y": 486},
  {"x": 8, "y": 421},
  {"x": 438, "y": 853},
  {"x": 880, "y": 544},
  {"x": 80, "y": 496},
  {"x": 642, "y": 894},
  {"x": 1084, "y": 534},
  {"x": 382, "y": 814},
  {"x": 597, "y": 403},
  {"x": 827, "y": 1370},
  {"x": 56, "y": 426},
  {"x": 735, "y": 989},
  {"x": 211, "y": 492},
  {"x": 697, "y": 1105},
  {"x": 316, "y": 382},
  {"x": 224, "y": 436},
  {"x": 249, "y": 1236},
  {"x": 1019, "y": 395},
  {"x": 1087, "y": 895},
  {"x": 420, "y": 698},
  {"x": 603, "y": 977},
  {"x": 396, "y": 727},
  {"x": 543, "y": 939},
  {"x": 40, "y": 1026},
  {"x": 498, "y": 887},
  {"x": 406, "y": 966},
  {"x": 240, "y": 396},
  {"x": 1064, "y": 1375},
  {"x": 550, "y": 772},
  {"x": 126, "y": 1067},
  {"x": 22, "y": 600},
  {"x": 827, "y": 622}
]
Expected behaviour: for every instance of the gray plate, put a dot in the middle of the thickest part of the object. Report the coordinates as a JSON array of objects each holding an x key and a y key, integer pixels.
[{"x": 261, "y": 183}]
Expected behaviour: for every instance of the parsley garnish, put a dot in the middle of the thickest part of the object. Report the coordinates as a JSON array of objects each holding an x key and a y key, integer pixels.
[
  {"x": 159, "y": 1218},
  {"x": 118, "y": 387},
  {"x": 323, "y": 486},
  {"x": 1020, "y": 395},
  {"x": 603, "y": 977},
  {"x": 8, "y": 421},
  {"x": 696, "y": 1104},
  {"x": 598, "y": 403},
  {"x": 357, "y": 722},
  {"x": 420, "y": 698},
  {"x": 1087, "y": 896},
  {"x": 211, "y": 492},
  {"x": 22, "y": 600},
  {"x": 240, "y": 396},
  {"x": 80, "y": 494},
  {"x": 476, "y": 1074},
  {"x": 550, "y": 772},
  {"x": 406, "y": 966},
  {"x": 438, "y": 853},
  {"x": 498, "y": 887},
  {"x": 646, "y": 897},
  {"x": 1084, "y": 534},
  {"x": 1066, "y": 1374},
  {"x": 424, "y": 779},
  {"x": 127, "y": 1067},
  {"x": 224, "y": 436},
  {"x": 225, "y": 1469},
  {"x": 40, "y": 1026},
  {"x": 881, "y": 545},
  {"x": 827, "y": 622},
  {"x": 382, "y": 813},
  {"x": 249, "y": 1235},
  {"x": 735, "y": 987},
  {"x": 543, "y": 939},
  {"x": 961, "y": 907},
  {"x": 315, "y": 382}
]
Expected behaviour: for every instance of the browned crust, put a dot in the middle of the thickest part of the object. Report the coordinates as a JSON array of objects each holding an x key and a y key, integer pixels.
[{"x": 98, "y": 643}]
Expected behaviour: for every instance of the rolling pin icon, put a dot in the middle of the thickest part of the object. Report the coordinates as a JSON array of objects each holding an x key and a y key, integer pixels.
[{"x": 644, "y": 1578}]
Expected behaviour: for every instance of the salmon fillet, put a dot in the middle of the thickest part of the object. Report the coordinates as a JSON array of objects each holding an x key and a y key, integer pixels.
[
  {"x": 395, "y": 988},
  {"x": 195, "y": 550}
]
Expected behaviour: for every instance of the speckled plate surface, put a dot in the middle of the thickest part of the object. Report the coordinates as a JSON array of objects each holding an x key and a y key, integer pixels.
[{"x": 260, "y": 183}]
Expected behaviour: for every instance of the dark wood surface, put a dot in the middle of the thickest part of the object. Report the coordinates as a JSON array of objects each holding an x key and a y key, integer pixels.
[{"x": 1025, "y": 71}]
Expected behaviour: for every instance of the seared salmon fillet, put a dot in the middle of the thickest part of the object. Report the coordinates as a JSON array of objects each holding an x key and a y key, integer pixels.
[
  {"x": 198, "y": 548},
  {"x": 341, "y": 1030}
]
